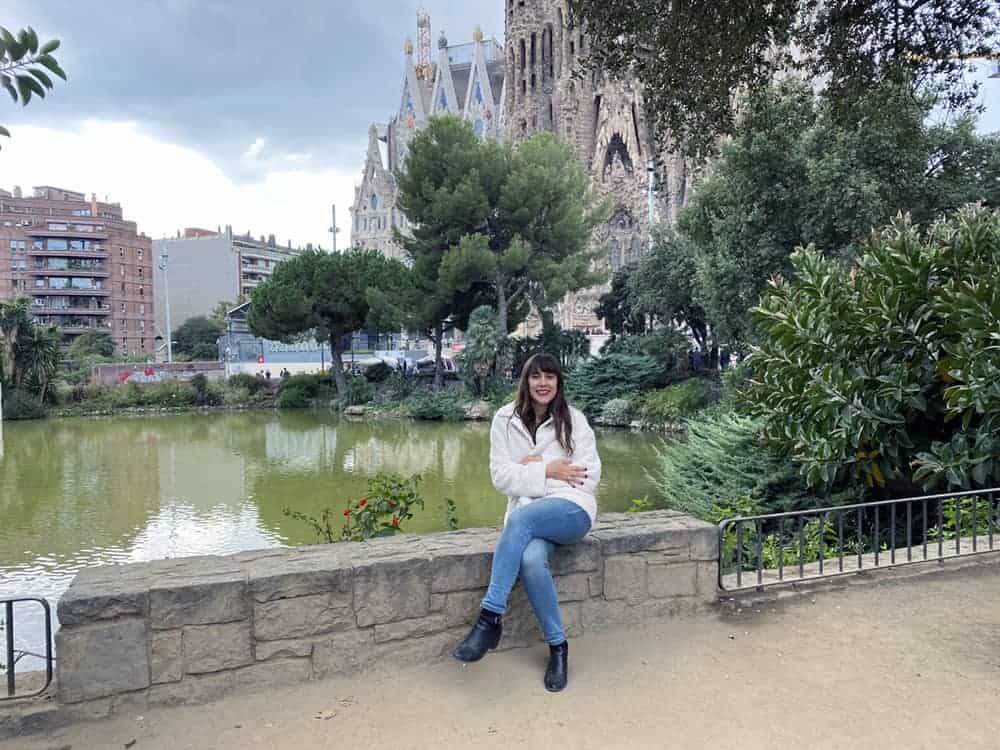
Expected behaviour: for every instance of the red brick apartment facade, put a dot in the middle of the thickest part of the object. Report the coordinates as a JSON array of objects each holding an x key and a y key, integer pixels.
[{"x": 80, "y": 263}]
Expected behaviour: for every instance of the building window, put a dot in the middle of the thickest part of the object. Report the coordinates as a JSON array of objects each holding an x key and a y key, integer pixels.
[
  {"x": 121, "y": 252},
  {"x": 56, "y": 244},
  {"x": 57, "y": 227},
  {"x": 123, "y": 307},
  {"x": 123, "y": 287},
  {"x": 532, "y": 81},
  {"x": 142, "y": 309},
  {"x": 374, "y": 202},
  {"x": 534, "y": 45},
  {"x": 140, "y": 272},
  {"x": 140, "y": 291},
  {"x": 139, "y": 251},
  {"x": 122, "y": 269},
  {"x": 81, "y": 212}
]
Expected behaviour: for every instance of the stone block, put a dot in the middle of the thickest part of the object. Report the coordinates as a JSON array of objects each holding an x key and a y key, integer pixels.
[
  {"x": 165, "y": 656},
  {"x": 462, "y": 608},
  {"x": 304, "y": 571},
  {"x": 572, "y": 617},
  {"x": 100, "y": 660},
  {"x": 343, "y": 653},
  {"x": 438, "y": 601},
  {"x": 410, "y": 628},
  {"x": 680, "y": 579},
  {"x": 577, "y": 558},
  {"x": 703, "y": 543},
  {"x": 460, "y": 571},
  {"x": 213, "y": 648},
  {"x": 85, "y": 602},
  {"x": 276, "y": 673},
  {"x": 391, "y": 590},
  {"x": 708, "y": 582},
  {"x": 199, "y": 601},
  {"x": 417, "y": 651},
  {"x": 281, "y": 619},
  {"x": 265, "y": 650},
  {"x": 623, "y": 540},
  {"x": 193, "y": 689},
  {"x": 573, "y": 587},
  {"x": 625, "y": 578}
]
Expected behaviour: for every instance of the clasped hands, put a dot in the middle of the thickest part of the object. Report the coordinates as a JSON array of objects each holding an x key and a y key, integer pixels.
[{"x": 562, "y": 469}]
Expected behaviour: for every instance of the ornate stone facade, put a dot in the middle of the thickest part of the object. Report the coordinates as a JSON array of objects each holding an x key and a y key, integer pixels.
[{"x": 532, "y": 84}]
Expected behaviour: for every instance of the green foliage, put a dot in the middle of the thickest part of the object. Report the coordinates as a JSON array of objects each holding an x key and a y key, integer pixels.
[
  {"x": 795, "y": 173},
  {"x": 26, "y": 65},
  {"x": 399, "y": 387},
  {"x": 451, "y": 514},
  {"x": 730, "y": 46},
  {"x": 19, "y": 404},
  {"x": 207, "y": 392},
  {"x": 676, "y": 402},
  {"x": 720, "y": 460},
  {"x": 380, "y": 372},
  {"x": 90, "y": 345},
  {"x": 390, "y": 502},
  {"x": 359, "y": 391},
  {"x": 447, "y": 405},
  {"x": 330, "y": 295},
  {"x": 887, "y": 372},
  {"x": 615, "y": 306},
  {"x": 596, "y": 381},
  {"x": 617, "y": 412},
  {"x": 293, "y": 397},
  {"x": 198, "y": 337},
  {"x": 569, "y": 347},
  {"x": 483, "y": 342},
  {"x": 249, "y": 382}
]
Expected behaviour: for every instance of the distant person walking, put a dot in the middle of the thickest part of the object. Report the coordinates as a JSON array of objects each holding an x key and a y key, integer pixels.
[{"x": 543, "y": 456}]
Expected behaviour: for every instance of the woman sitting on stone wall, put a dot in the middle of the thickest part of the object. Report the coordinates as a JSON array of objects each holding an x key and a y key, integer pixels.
[{"x": 543, "y": 456}]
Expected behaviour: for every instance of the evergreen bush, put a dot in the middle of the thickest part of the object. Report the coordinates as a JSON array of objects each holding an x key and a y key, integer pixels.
[
  {"x": 19, "y": 404},
  {"x": 617, "y": 412},
  {"x": 447, "y": 405},
  {"x": 596, "y": 381},
  {"x": 676, "y": 402}
]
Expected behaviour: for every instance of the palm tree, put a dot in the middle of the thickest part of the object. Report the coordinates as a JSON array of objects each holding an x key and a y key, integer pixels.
[
  {"x": 14, "y": 319},
  {"x": 37, "y": 356}
]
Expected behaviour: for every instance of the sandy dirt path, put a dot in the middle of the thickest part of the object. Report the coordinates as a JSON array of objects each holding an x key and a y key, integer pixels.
[{"x": 911, "y": 663}]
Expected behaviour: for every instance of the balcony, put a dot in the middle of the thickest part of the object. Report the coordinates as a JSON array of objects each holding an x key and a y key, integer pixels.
[
  {"x": 39, "y": 290},
  {"x": 83, "y": 328},
  {"x": 40, "y": 231},
  {"x": 46, "y": 310},
  {"x": 100, "y": 272},
  {"x": 101, "y": 254}
]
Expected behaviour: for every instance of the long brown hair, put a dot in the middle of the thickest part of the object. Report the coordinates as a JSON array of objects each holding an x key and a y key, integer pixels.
[{"x": 558, "y": 408}]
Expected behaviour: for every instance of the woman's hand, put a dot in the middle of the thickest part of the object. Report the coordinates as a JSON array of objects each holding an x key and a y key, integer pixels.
[
  {"x": 566, "y": 471},
  {"x": 530, "y": 459}
]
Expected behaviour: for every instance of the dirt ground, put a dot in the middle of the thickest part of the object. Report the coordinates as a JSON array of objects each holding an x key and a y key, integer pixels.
[{"x": 911, "y": 663}]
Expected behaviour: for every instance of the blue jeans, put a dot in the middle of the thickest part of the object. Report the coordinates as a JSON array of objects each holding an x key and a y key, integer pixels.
[{"x": 525, "y": 545}]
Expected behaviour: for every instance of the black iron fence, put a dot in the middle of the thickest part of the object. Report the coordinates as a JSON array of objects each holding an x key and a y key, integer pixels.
[
  {"x": 777, "y": 548},
  {"x": 10, "y": 656}
]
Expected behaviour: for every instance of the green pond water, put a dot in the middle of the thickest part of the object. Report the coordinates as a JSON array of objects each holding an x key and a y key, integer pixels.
[{"x": 94, "y": 491}]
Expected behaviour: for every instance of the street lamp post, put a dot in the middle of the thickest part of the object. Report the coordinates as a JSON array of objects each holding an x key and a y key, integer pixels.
[
  {"x": 166, "y": 301},
  {"x": 333, "y": 226}
]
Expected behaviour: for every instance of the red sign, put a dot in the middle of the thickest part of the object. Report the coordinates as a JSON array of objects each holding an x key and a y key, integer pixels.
[{"x": 260, "y": 359}]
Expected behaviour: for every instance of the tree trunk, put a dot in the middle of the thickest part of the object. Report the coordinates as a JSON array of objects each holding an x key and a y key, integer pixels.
[
  {"x": 501, "y": 309},
  {"x": 438, "y": 338},
  {"x": 336, "y": 348}
]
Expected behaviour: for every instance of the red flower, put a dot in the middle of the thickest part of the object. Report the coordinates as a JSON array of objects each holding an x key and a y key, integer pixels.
[
  {"x": 395, "y": 521},
  {"x": 347, "y": 511},
  {"x": 362, "y": 502}
]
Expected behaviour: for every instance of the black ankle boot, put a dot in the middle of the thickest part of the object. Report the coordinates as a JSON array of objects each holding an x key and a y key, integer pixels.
[
  {"x": 557, "y": 672},
  {"x": 484, "y": 636}
]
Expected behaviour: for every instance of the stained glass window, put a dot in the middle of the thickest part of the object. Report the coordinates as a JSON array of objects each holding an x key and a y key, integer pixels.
[{"x": 374, "y": 202}]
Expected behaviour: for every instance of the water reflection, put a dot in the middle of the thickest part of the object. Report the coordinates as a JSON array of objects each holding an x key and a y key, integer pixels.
[{"x": 82, "y": 492}]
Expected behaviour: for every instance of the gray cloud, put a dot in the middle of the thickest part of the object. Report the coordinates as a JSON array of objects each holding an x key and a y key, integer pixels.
[{"x": 306, "y": 76}]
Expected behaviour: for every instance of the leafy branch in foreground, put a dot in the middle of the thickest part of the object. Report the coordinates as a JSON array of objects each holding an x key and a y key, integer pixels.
[{"x": 26, "y": 65}]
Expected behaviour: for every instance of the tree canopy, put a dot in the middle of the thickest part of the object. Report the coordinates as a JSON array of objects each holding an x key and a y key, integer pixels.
[
  {"x": 728, "y": 47},
  {"x": 198, "y": 337},
  {"x": 329, "y": 295}
]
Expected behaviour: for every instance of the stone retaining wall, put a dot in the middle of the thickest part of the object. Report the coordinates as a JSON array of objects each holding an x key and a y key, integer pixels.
[{"x": 195, "y": 629}]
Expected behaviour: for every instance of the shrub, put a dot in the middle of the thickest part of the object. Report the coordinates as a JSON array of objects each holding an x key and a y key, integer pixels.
[
  {"x": 19, "y": 404},
  {"x": 236, "y": 396},
  {"x": 359, "y": 391},
  {"x": 596, "y": 381},
  {"x": 127, "y": 395},
  {"x": 399, "y": 387},
  {"x": 168, "y": 393},
  {"x": 206, "y": 392},
  {"x": 677, "y": 401},
  {"x": 293, "y": 397},
  {"x": 720, "y": 460},
  {"x": 887, "y": 371},
  {"x": 445, "y": 404},
  {"x": 249, "y": 382},
  {"x": 617, "y": 412},
  {"x": 389, "y": 502},
  {"x": 378, "y": 373}
]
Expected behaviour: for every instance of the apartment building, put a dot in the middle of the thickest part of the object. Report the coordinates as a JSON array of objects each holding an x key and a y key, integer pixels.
[
  {"x": 82, "y": 265},
  {"x": 203, "y": 268}
]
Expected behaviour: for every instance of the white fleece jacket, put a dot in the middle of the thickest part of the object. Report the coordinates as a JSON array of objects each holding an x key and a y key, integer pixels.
[{"x": 523, "y": 484}]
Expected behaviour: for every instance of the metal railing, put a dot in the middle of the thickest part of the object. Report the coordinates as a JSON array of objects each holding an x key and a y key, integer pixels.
[
  {"x": 11, "y": 656},
  {"x": 780, "y": 548}
]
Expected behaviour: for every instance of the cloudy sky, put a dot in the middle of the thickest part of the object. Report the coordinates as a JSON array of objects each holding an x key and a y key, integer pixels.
[{"x": 211, "y": 112}]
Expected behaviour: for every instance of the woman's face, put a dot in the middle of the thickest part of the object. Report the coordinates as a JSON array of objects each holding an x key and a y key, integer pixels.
[{"x": 543, "y": 386}]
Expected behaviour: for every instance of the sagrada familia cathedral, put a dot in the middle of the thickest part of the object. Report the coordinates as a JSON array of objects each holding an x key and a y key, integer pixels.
[{"x": 511, "y": 91}]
